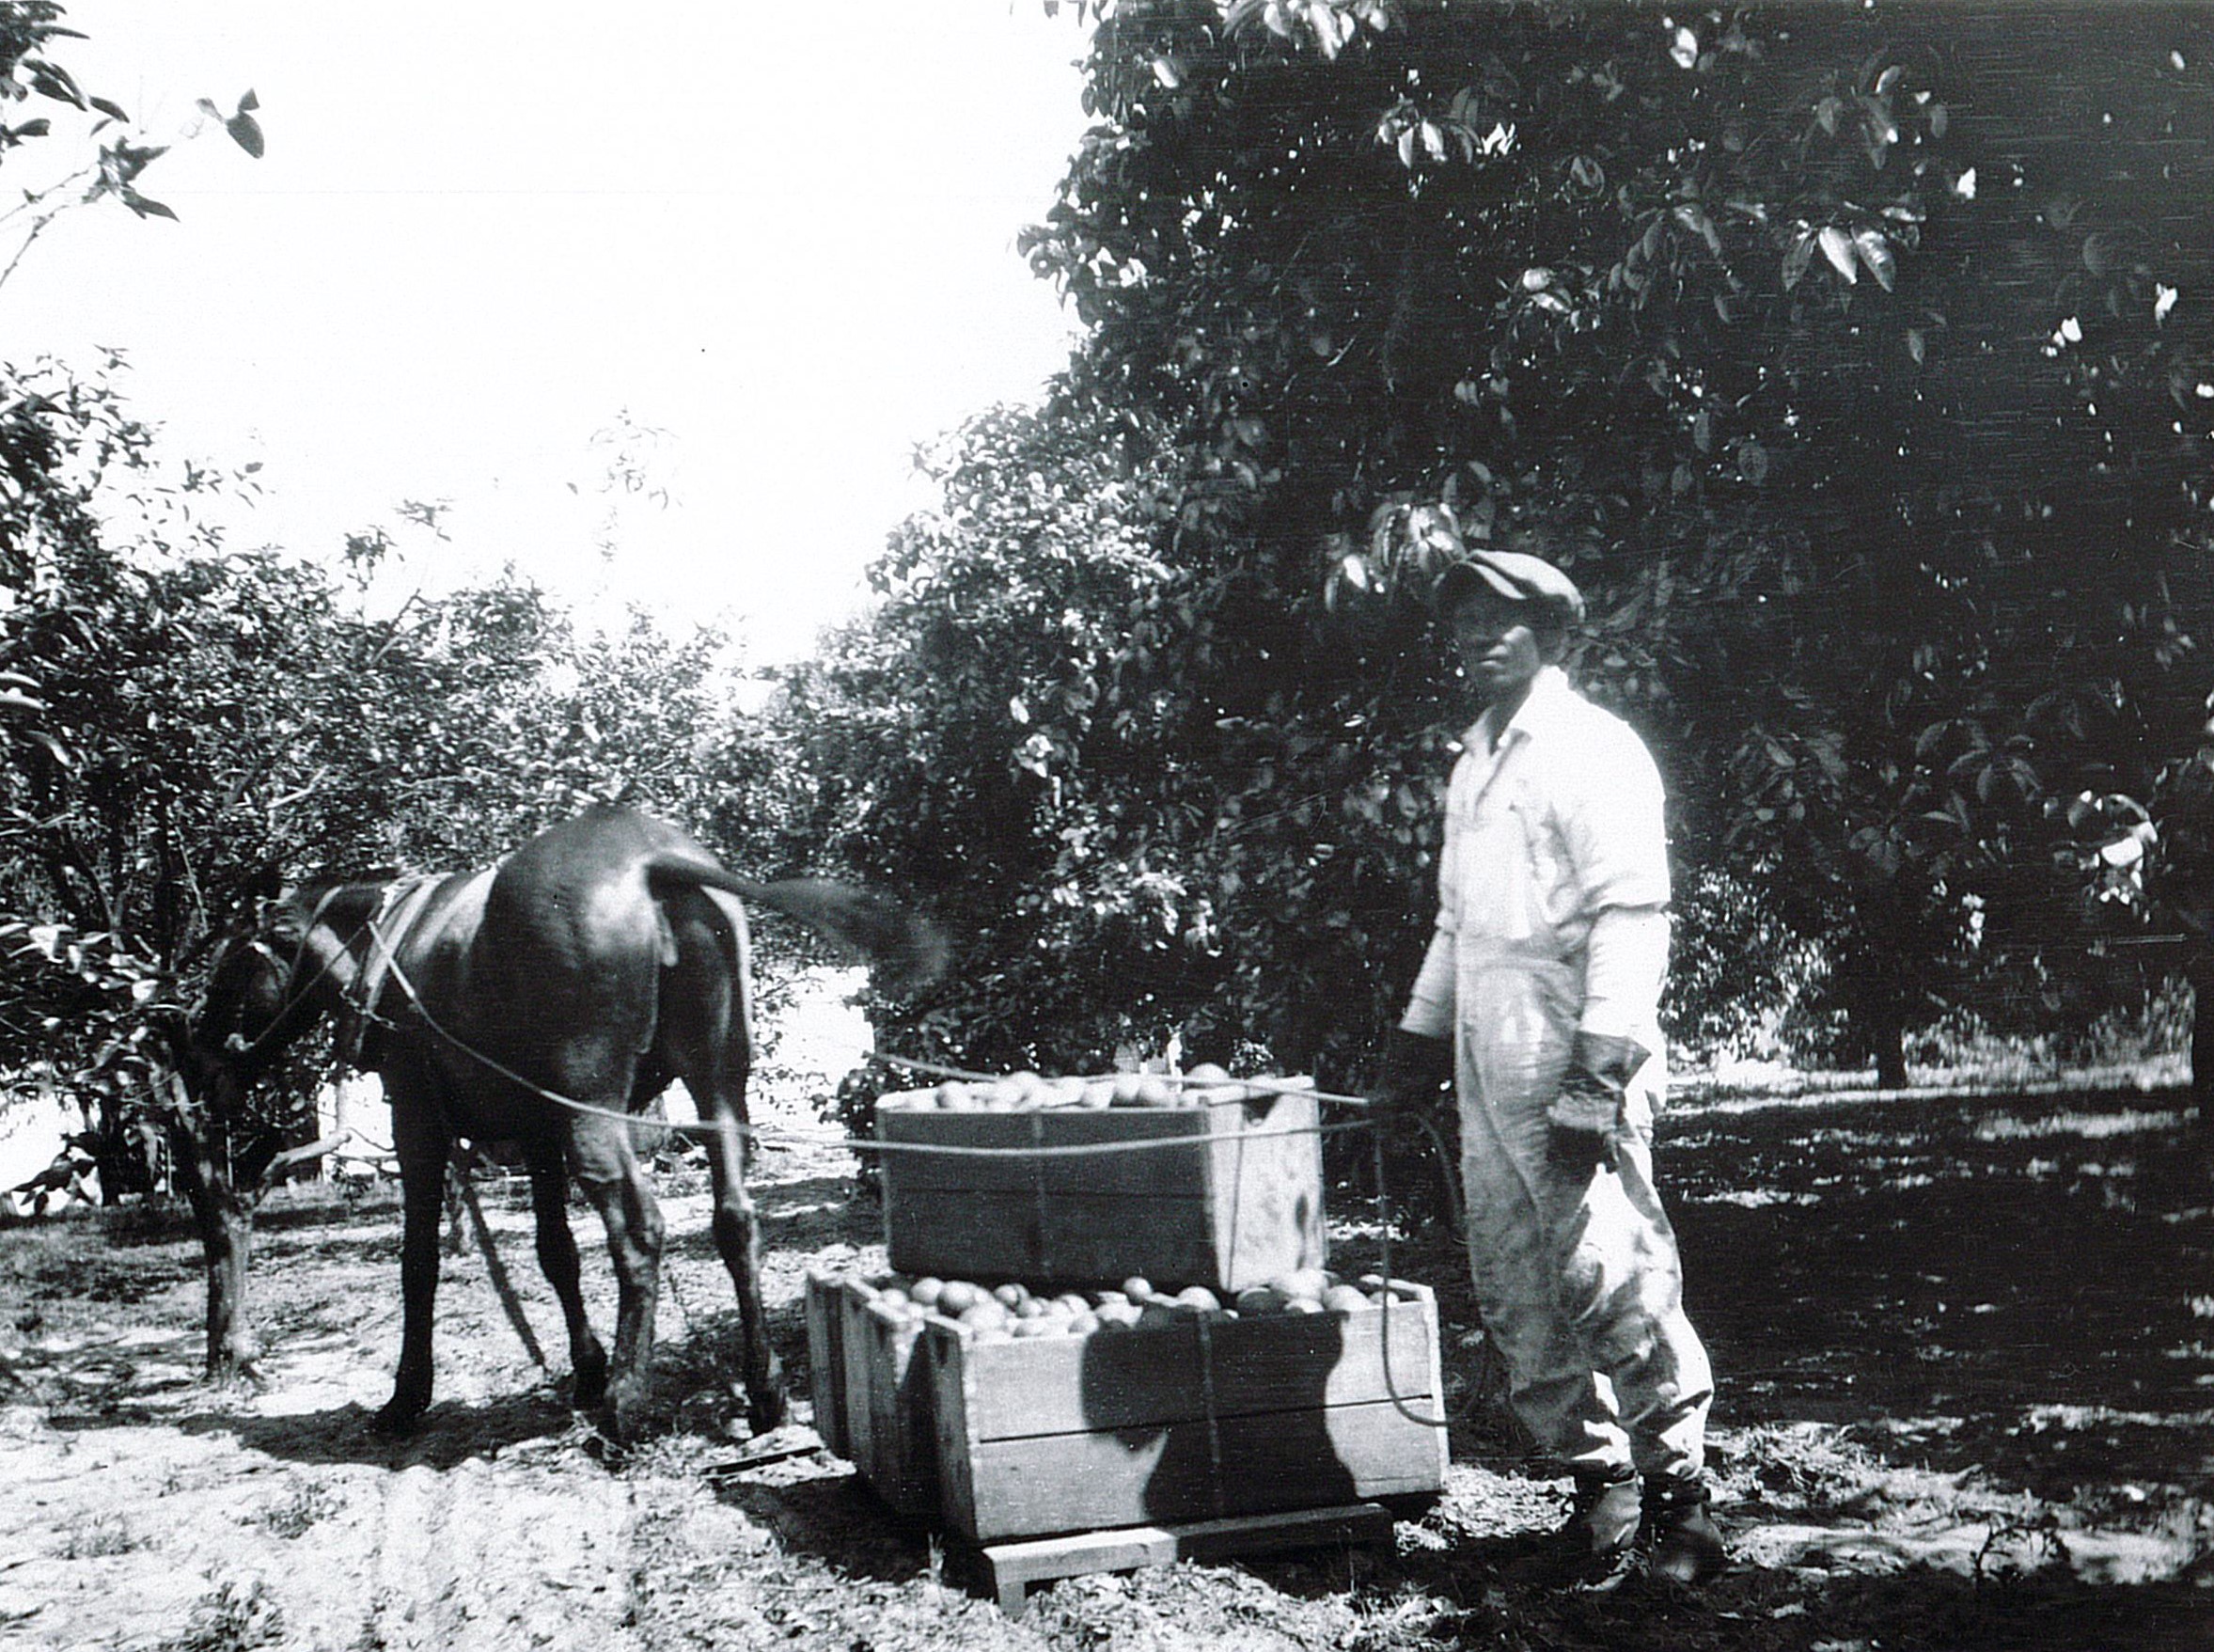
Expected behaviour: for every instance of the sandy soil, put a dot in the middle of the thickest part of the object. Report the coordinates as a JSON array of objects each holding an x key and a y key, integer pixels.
[{"x": 1967, "y": 1353}]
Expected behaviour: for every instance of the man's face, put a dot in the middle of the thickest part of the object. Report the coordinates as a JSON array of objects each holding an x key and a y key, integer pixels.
[{"x": 1498, "y": 646}]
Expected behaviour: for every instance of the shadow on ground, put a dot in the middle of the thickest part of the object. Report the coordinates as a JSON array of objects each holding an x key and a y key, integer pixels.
[{"x": 450, "y": 1433}]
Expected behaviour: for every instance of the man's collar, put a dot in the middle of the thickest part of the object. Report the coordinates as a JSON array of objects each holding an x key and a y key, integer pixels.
[{"x": 1539, "y": 711}]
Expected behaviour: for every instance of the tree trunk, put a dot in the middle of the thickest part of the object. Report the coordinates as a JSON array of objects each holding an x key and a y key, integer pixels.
[
  {"x": 225, "y": 1223},
  {"x": 229, "y": 1240},
  {"x": 1887, "y": 1039},
  {"x": 124, "y": 1156}
]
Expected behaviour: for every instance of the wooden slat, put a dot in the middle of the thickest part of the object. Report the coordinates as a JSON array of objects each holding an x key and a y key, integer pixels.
[
  {"x": 1267, "y": 1210},
  {"x": 1068, "y": 1239},
  {"x": 952, "y": 1390},
  {"x": 1267, "y": 1363},
  {"x": 887, "y": 1416},
  {"x": 826, "y": 1360},
  {"x": 1192, "y": 1470},
  {"x": 1008, "y": 1569},
  {"x": 1067, "y": 1385},
  {"x": 1279, "y": 1362},
  {"x": 1159, "y": 1173}
]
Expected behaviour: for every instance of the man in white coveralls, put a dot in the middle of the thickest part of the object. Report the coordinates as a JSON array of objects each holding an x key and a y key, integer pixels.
[{"x": 1540, "y": 996}]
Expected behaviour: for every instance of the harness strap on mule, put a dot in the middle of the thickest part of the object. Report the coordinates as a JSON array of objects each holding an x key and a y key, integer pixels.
[
  {"x": 398, "y": 911},
  {"x": 295, "y": 993}
]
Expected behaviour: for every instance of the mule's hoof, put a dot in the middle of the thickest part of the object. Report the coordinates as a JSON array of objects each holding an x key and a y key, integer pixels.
[
  {"x": 589, "y": 1381},
  {"x": 621, "y": 1414},
  {"x": 765, "y": 1414}
]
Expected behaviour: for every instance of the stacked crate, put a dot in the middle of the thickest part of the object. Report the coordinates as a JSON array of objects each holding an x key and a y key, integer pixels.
[{"x": 1199, "y": 1366}]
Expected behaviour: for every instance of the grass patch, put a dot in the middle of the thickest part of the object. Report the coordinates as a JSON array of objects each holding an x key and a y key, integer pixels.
[
  {"x": 94, "y": 1535},
  {"x": 233, "y": 1617},
  {"x": 310, "y": 1503}
]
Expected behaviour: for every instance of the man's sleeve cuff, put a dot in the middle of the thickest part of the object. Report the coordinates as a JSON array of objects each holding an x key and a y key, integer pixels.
[{"x": 1427, "y": 1018}]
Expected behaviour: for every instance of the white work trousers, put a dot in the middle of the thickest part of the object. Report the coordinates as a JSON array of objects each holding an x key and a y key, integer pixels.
[{"x": 1577, "y": 1274}]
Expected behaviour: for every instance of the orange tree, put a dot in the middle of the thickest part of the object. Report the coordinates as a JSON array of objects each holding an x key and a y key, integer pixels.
[
  {"x": 993, "y": 741},
  {"x": 1854, "y": 357},
  {"x": 187, "y": 728},
  {"x": 184, "y": 726}
]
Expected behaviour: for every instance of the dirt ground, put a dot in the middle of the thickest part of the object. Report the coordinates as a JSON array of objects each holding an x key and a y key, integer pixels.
[{"x": 1966, "y": 1353}]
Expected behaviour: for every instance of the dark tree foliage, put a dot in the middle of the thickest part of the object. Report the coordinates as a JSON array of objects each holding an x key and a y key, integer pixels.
[{"x": 1850, "y": 356}]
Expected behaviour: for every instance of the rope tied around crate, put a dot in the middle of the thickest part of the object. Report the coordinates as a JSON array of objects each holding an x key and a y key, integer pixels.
[
  {"x": 1244, "y": 1087},
  {"x": 1037, "y": 1190},
  {"x": 1214, "y": 1476}
]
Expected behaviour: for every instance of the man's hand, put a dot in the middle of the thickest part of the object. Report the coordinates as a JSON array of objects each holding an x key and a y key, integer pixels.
[
  {"x": 1415, "y": 1069},
  {"x": 1582, "y": 1119}
]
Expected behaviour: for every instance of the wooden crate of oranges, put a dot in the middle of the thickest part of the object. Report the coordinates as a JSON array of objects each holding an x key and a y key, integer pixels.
[
  {"x": 1237, "y": 1203},
  {"x": 1125, "y": 1407}
]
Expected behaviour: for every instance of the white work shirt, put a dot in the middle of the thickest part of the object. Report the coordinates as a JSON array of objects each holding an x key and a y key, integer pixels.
[{"x": 1555, "y": 850}]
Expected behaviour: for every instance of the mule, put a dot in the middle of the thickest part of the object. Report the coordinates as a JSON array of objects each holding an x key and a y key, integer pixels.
[{"x": 543, "y": 1002}]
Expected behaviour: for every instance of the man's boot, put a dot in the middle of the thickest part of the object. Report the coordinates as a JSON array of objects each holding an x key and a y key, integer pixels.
[
  {"x": 1687, "y": 1544},
  {"x": 1596, "y": 1549}
]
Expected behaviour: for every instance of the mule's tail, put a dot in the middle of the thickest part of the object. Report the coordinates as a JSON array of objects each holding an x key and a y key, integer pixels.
[{"x": 907, "y": 950}]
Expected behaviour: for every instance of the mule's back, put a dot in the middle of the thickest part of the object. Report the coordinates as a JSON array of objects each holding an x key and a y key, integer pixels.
[{"x": 563, "y": 971}]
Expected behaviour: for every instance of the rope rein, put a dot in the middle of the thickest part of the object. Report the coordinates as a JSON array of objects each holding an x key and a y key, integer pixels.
[
  {"x": 388, "y": 954},
  {"x": 1086, "y": 1150}
]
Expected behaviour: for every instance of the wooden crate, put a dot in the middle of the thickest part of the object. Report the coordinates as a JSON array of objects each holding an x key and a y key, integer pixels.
[
  {"x": 872, "y": 1391},
  {"x": 1239, "y": 1206},
  {"x": 1201, "y": 1417}
]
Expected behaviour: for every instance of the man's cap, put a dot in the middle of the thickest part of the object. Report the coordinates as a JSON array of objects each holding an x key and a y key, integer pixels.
[{"x": 1514, "y": 574}]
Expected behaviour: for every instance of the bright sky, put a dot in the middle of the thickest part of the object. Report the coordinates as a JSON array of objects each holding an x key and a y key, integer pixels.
[{"x": 484, "y": 230}]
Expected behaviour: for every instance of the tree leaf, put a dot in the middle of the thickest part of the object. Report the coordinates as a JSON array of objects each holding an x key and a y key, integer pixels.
[
  {"x": 50, "y": 79},
  {"x": 1797, "y": 260},
  {"x": 246, "y": 133},
  {"x": 144, "y": 206},
  {"x": 59, "y": 752},
  {"x": 1875, "y": 253},
  {"x": 1837, "y": 246}
]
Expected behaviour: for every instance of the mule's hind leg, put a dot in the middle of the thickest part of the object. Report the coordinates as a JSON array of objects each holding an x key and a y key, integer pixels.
[
  {"x": 423, "y": 1147},
  {"x": 707, "y": 1029},
  {"x": 616, "y": 1184},
  {"x": 738, "y": 1240},
  {"x": 556, "y": 1257}
]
